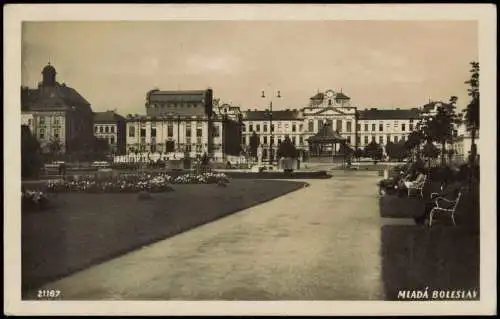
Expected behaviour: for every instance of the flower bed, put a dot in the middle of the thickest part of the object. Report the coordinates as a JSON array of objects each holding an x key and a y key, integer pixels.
[
  {"x": 33, "y": 200},
  {"x": 131, "y": 183}
]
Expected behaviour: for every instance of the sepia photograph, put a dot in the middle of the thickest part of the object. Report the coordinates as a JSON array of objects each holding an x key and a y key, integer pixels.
[{"x": 274, "y": 154}]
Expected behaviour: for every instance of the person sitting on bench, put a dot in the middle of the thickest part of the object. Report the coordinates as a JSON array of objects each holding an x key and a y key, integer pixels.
[{"x": 414, "y": 177}]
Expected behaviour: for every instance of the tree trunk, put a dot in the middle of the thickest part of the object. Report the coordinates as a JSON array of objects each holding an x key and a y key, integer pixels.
[
  {"x": 443, "y": 153},
  {"x": 473, "y": 148}
]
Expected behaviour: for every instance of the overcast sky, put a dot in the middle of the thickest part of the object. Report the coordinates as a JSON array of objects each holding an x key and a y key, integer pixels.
[{"x": 377, "y": 63}]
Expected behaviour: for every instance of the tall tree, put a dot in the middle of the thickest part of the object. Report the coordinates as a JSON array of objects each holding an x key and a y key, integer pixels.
[
  {"x": 430, "y": 151},
  {"x": 54, "y": 147},
  {"x": 440, "y": 127},
  {"x": 254, "y": 144},
  {"x": 472, "y": 110},
  {"x": 30, "y": 154},
  {"x": 389, "y": 149},
  {"x": 412, "y": 144},
  {"x": 287, "y": 149},
  {"x": 374, "y": 151}
]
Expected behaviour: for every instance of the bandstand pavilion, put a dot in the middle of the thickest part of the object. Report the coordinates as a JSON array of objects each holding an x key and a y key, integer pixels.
[{"x": 327, "y": 144}]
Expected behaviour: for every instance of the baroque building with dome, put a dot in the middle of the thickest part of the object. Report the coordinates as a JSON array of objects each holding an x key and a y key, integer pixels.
[{"x": 56, "y": 114}]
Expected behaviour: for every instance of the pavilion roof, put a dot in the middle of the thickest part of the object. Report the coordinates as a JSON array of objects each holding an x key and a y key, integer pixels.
[{"x": 327, "y": 135}]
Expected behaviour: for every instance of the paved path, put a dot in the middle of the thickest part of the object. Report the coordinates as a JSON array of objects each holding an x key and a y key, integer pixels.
[{"x": 319, "y": 243}]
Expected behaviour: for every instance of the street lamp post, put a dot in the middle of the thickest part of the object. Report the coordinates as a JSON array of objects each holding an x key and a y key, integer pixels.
[
  {"x": 178, "y": 133},
  {"x": 271, "y": 126}
]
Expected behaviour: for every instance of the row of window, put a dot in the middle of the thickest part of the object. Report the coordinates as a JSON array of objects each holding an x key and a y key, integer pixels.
[
  {"x": 381, "y": 139},
  {"x": 55, "y": 119},
  {"x": 338, "y": 127},
  {"x": 265, "y": 127},
  {"x": 104, "y": 129},
  {"x": 175, "y": 105},
  {"x": 55, "y": 132},
  {"x": 170, "y": 131},
  {"x": 170, "y": 147},
  {"x": 297, "y": 140},
  {"x": 381, "y": 127}
]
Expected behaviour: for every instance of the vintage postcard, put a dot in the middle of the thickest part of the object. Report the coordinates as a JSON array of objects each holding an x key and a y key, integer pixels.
[{"x": 250, "y": 159}]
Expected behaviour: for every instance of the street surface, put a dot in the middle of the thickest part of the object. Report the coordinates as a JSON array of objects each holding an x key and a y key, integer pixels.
[{"x": 319, "y": 243}]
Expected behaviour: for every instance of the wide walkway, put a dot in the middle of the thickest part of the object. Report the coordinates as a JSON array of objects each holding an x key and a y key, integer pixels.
[{"x": 318, "y": 243}]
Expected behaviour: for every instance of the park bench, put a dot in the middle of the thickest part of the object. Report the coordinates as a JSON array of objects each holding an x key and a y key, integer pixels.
[
  {"x": 418, "y": 187},
  {"x": 450, "y": 207}
]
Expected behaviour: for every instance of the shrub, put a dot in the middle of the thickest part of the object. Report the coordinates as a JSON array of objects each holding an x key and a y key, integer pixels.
[{"x": 34, "y": 200}]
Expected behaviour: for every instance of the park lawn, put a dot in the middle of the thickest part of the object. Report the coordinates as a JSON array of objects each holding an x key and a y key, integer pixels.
[
  {"x": 85, "y": 229},
  {"x": 402, "y": 206},
  {"x": 441, "y": 258}
]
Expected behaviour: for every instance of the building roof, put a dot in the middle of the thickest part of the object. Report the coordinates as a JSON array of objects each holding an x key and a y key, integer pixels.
[
  {"x": 28, "y": 97},
  {"x": 341, "y": 96},
  {"x": 431, "y": 106},
  {"x": 59, "y": 95},
  {"x": 278, "y": 115},
  {"x": 326, "y": 135},
  {"x": 388, "y": 114},
  {"x": 107, "y": 117},
  {"x": 320, "y": 96},
  {"x": 176, "y": 96}
]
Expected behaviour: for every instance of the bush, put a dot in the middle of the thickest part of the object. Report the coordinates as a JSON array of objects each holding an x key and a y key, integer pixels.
[
  {"x": 32, "y": 200},
  {"x": 442, "y": 174},
  {"x": 131, "y": 183}
]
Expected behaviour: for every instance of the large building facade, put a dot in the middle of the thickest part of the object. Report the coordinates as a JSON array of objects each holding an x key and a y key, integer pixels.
[
  {"x": 110, "y": 126},
  {"x": 190, "y": 123},
  {"x": 56, "y": 113},
  {"x": 385, "y": 125},
  {"x": 358, "y": 127},
  {"x": 271, "y": 131},
  {"x": 184, "y": 123}
]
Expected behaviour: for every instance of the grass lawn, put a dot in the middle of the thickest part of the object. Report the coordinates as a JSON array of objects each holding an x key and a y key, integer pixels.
[
  {"x": 86, "y": 229},
  {"x": 393, "y": 206},
  {"x": 415, "y": 257},
  {"x": 442, "y": 257}
]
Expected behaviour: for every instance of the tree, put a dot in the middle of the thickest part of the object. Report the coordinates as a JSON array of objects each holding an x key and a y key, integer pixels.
[
  {"x": 441, "y": 127},
  {"x": 80, "y": 147},
  {"x": 169, "y": 146},
  {"x": 450, "y": 154},
  {"x": 100, "y": 147},
  {"x": 374, "y": 151},
  {"x": 412, "y": 144},
  {"x": 254, "y": 144},
  {"x": 88, "y": 148},
  {"x": 30, "y": 154},
  {"x": 389, "y": 149},
  {"x": 204, "y": 159},
  {"x": 472, "y": 110},
  {"x": 358, "y": 153},
  {"x": 287, "y": 149},
  {"x": 54, "y": 147},
  {"x": 430, "y": 151}
]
